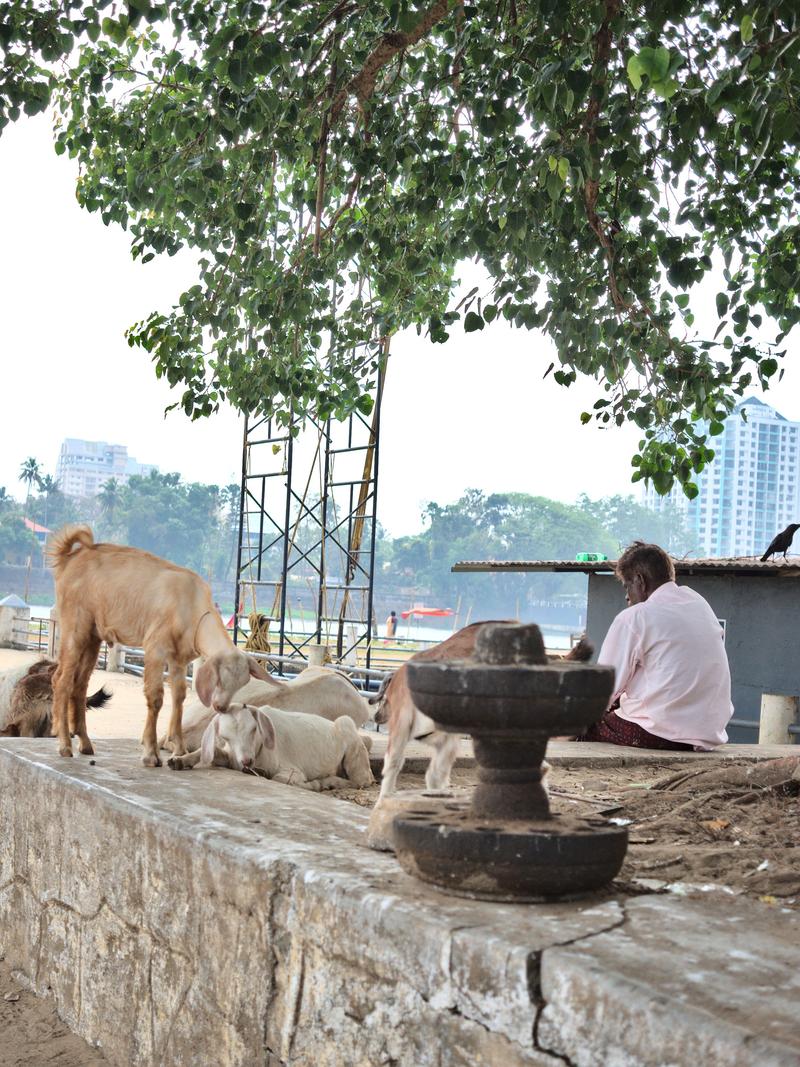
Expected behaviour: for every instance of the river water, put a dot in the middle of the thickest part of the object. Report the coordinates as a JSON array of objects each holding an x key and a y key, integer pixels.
[{"x": 406, "y": 631}]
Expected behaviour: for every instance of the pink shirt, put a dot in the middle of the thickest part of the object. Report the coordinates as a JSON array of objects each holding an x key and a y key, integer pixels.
[{"x": 672, "y": 675}]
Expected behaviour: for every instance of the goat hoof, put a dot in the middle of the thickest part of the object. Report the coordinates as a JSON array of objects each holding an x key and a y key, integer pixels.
[
  {"x": 151, "y": 760},
  {"x": 64, "y": 751},
  {"x": 86, "y": 749},
  {"x": 177, "y": 764}
]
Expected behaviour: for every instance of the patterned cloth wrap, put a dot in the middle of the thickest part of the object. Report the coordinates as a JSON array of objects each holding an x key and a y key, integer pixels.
[{"x": 616, "y": 731}]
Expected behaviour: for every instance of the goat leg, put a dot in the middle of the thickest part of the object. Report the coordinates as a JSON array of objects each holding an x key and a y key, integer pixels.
[
  {"x": 62, "y": 686},
  {"x": 154, "y": 694},
  {"x": 177, "y": 684},
  {"x": 77, "y": 704},
  {"x": 441, "y": 764},
  {"x": 394, "y": 759},
  {"x": 333, "y": 782},
  {"x": 190, "y": 759}
]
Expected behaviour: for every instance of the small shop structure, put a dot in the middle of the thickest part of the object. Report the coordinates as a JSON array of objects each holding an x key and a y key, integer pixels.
[{"x": 757, "y": 604}]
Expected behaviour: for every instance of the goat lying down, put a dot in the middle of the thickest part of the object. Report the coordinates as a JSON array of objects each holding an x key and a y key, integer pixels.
[
  {"x": 26, "y": 700},
  {"x": 286, "y": 746},
  {"x": 315, "y": 691},
  {"x": 407, "y": 723}
]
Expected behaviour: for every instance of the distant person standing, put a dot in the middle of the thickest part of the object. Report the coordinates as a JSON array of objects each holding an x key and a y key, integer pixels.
[{"x": 391, "y": 624}]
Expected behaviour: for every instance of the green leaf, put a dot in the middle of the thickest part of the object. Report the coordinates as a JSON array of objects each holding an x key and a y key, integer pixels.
[
  {"x": 746, "y": 29},
  {"x": 660, "y": 64},
  {"x": 682, "y": 300},
  {"x": 665, "y": 89},
  {"x": 635, "y": 72},
  {"x": 237, "y": 69},
  {"x": 563, "y": 168},
  {"x": 472, "y": 322},
  {"x": 768, "y": 367}
]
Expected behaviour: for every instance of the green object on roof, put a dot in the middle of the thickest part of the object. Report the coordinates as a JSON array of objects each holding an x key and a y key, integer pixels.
[{"x": 590, "y": 557}]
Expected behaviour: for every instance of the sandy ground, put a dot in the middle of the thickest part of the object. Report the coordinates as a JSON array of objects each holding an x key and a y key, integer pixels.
[{"x": 32, "y": 1035}]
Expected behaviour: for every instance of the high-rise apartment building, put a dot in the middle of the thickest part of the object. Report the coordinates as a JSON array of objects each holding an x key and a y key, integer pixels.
[
  {"x": 749, "y": 492},
  {"x": 84, "y": 466}
]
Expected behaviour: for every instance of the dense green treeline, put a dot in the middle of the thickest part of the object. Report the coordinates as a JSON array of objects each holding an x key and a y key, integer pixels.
[
  {"x": 515, "y": 526},
  {"x": 196, "y": 526},
  {"x": 192, "y": 524}
]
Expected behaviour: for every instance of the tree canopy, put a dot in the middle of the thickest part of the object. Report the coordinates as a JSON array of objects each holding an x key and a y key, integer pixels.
[{"x": 332, "y": 162}]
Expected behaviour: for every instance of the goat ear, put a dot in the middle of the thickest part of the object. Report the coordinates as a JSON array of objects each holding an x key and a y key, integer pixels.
[
  {"x": 256, "y": 670},
  {"x": 207, "y": 678},
  {"x": 209, "y": 742},
  {"x": 265, "y": 727},
  {"x": 356, "y": 763}
]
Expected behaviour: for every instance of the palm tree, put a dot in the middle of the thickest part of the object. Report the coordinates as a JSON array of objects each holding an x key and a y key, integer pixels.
[
  {"x": 109, "y": 496},
  {"x": 29, "y": 472},
  {"x": 48, "y": 486}
]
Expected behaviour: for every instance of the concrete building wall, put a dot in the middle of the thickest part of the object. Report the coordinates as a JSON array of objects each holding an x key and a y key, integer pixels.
[
  {"x": 84, "y": 466},
  {"x": 762, "y": 632},
  {"x": 190, "y": 920},
  {"x": 750, "y": 491}
]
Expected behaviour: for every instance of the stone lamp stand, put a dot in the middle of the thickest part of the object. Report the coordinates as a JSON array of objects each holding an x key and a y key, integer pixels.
[{"x": 506, "y": 845}]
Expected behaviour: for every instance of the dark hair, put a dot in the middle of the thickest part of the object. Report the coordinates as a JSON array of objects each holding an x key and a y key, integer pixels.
[{"x": 652, "y": 562}]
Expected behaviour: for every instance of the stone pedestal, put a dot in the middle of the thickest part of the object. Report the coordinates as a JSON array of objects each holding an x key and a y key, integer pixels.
[{"x": 778, "y": 713}]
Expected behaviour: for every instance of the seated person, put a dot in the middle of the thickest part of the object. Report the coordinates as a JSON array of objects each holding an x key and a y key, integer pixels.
[{"x": 673, "y": 685}]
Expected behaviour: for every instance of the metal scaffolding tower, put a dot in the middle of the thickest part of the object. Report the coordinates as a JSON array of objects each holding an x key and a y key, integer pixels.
[{"x": 307, "y": 530}]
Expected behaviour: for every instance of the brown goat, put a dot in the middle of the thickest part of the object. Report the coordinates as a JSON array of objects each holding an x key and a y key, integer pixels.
[
  {"x": 26, "y": 700},
  {"x": 406, "y": 721},
  {"x": 125, "y": 596}
]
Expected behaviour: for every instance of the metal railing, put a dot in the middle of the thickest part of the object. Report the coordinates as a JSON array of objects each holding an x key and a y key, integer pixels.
[{"x": 754, "y": 724}]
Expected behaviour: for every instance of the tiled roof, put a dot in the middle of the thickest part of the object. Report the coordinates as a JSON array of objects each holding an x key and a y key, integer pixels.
[{"x": 735, "y": 565}]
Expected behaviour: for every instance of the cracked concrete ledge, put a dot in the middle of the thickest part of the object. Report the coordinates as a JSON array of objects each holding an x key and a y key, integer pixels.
[
  {"x": 183, "y": 919},
  {"x": 594, "y": 756}
]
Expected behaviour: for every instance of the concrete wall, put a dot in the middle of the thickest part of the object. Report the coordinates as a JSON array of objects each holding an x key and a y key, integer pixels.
[
  {"x": 184, "y": 920},
  {"x": 14, "y": 627},
  {"x": 762, "y": 632}
]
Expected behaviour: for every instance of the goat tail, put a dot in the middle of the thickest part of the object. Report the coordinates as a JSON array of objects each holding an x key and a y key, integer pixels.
[
  {"x": 98, "y": 699},
  {"x": 60, "y": 548}
]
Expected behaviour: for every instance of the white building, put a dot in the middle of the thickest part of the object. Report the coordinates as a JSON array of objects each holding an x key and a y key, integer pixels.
[
  {"x": 84, "y": 466},
  {"x": 752, "y": 489}
]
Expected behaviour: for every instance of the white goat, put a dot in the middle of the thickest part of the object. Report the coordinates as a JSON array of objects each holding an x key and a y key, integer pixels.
[
  {"x": 287, "y": 746},
  {"x": 315, "y": 691}
]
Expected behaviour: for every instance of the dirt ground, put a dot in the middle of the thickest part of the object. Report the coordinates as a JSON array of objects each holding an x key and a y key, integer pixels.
[
  {"x": 32, "y": 1035},
  {"x": 734, "y": 828}
]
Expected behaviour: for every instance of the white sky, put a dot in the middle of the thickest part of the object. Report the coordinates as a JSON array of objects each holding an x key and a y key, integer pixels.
[{"x": 474, "y": 413}]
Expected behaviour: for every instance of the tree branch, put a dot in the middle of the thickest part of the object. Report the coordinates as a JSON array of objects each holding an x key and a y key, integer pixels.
[
  {"x": 362, "y": 85},
  {"x": 591, "y": 189}
]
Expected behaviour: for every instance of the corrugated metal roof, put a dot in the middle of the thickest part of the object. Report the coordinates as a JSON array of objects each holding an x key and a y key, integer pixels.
[{"x": 750, "y": 565}]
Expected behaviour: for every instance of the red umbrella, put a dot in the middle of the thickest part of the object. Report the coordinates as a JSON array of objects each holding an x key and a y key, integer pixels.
[{"x": 427, "y": 611}]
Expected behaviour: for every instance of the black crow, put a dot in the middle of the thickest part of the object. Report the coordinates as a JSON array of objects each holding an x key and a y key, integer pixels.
[{"x": 781, "y": 542}]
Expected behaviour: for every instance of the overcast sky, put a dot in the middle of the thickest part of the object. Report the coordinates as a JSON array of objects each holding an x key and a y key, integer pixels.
[{"x": 472, "y": 413}]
